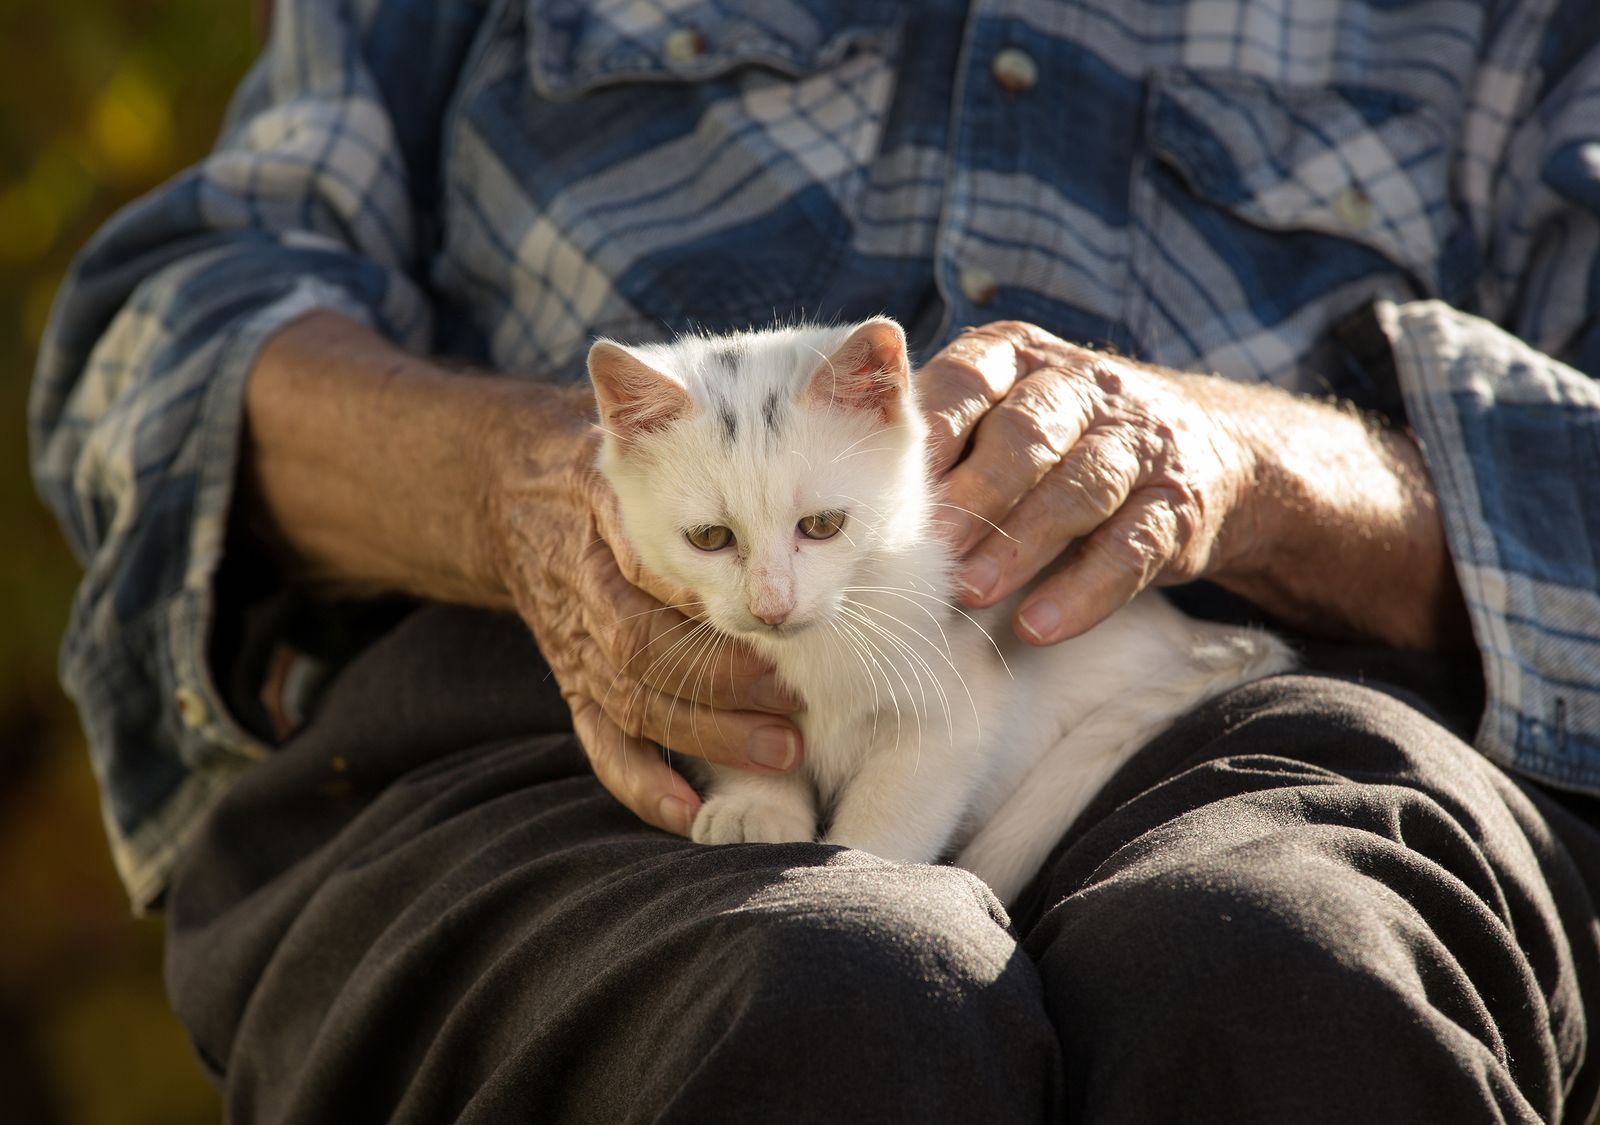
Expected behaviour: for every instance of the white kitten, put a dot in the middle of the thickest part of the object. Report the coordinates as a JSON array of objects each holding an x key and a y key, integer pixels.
[{"x": 781, "y": 476}]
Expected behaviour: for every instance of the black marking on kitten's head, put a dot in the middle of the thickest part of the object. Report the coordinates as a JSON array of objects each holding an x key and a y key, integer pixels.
[
  {"x": 770, "y": 411},
  {"x": 730, "y": 423},
  {"x": 728, "y": 357}
]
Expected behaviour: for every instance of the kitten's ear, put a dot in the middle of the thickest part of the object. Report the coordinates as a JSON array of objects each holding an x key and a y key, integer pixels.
[
  {"x": 869, "y": 371},
  {"x": 634, "y": 398}
]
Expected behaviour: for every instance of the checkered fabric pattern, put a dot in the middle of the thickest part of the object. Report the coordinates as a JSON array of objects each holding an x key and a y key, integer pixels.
[{"x": 1212, "y": 184}]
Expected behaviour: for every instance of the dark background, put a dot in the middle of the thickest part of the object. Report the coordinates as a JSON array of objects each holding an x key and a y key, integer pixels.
[{"x": 99, "y": 102}]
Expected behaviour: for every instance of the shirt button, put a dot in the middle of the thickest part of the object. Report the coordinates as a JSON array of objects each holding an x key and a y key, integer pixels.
[
  {"x": 1354, "y": 207},
  {"x": 684, "y": 45},
  {"x": 978, "y": 284},
  {"x": 1014, "y": 70},
  {"x": 191, "y": 708}
]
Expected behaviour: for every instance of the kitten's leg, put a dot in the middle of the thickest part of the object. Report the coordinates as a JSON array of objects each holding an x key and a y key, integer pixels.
[
  {"x": 742, "y": 807},
  {"x": 904, "y": 804},
  {"x": 1010, "y": 847}
]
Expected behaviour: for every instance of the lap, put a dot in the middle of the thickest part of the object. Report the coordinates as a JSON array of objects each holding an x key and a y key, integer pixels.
[
  {"x": 1311, "y": 870},
  {"x": 424, "y": 908},
  {"x": 370, "y": 931}
]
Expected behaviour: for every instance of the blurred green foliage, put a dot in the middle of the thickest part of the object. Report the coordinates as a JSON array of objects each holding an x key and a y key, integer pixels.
[{"x": 99, "y": 102}]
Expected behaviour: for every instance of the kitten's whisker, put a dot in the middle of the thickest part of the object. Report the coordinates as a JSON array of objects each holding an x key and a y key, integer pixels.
[
  {"x": 945, "y": 656},
  {"x": 627, "y": 707},
  {"x": 648, "y": 612},
  {"x": 854, "y": 608},
  {"x": 804, "y": 458},
  {"x": 938, "y": 683},
  {"x": 859, "y": 452},
  {"x": 898, "y": 675},
  {"x": 653, "y": 640},
  {"x": 864, "y": 437},
  {"x": 896, "y": 642},
  {"x": 688, "y": 653},
  {"x": 681, "y": 646},
  {"x": 850, "y": 647},
  {"x": 698, "y": 667},
  {"x": 873, "y": 652},
  {"x": 976, "y": 516},
  {"x": 641, "y": 685},
  {"x": 896, "y": 645},
  {"x": 912, "y": 659},
  {"x": 868, "y": 623},
  {"x": 895, "y": 593},
  {"x": 862, "y": 503},
  {"x": 720, "y": 643},
  {"x": 833, "y": 375},
  {"x": 958, "y": 609}
]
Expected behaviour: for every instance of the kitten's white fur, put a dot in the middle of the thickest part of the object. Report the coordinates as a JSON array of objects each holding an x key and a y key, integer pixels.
[{"x": 923, "y": 737}]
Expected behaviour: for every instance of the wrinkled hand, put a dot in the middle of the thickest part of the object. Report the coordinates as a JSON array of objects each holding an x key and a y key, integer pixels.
[
  {"x": 1045, "y": 447},
  {"x": 629, "y": 658}
]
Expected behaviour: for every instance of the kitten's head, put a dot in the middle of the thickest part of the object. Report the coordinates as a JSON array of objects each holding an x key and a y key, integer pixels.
[{"x": 765, "y": 471}]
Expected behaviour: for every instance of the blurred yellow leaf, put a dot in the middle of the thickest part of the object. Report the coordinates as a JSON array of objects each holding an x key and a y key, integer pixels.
[{"x": 130, "y": 127}]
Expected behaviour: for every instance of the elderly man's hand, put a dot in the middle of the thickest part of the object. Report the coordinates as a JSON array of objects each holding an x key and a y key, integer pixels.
[
  {"x": 372, "y": 470},
  {"x": 1047, "y": 447},
  {"x": 633, "y": 665},
  {"x": 1130, "y": 475}
]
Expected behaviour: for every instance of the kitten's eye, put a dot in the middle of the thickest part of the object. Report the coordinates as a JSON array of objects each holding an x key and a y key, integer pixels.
[
  {"x": 823, "y": 525},
  {"x": 712, "y": 537}
]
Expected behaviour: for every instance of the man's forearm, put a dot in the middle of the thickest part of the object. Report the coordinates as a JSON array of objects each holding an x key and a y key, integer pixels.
[
  {"x": 1343, "y": 536},
  {"x": 367, "y": 468}
]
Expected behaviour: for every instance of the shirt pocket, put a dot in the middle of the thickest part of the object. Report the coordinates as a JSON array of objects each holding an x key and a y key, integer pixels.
[
  {"x": 650, "y": 168},
  {"x": 574, "y": 48},
  {"x": 1264, "y": 211}
]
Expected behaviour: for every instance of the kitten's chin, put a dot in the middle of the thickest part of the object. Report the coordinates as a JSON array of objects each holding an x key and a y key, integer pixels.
[{"x": 761, "y": 631}]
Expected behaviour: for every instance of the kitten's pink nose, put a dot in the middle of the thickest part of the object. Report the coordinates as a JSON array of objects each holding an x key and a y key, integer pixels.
[{"x": 776, "y": 618}]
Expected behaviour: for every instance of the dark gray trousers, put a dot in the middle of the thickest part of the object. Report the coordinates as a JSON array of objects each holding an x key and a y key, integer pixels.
[{"x": 1308, "y": 902}]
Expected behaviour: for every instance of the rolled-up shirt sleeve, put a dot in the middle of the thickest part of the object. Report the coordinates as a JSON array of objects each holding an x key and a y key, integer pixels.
[
  {"x": 1512, "y": 441},
  {"x": 135, "y": 418},
  {"x": 1507, "y": 409}
]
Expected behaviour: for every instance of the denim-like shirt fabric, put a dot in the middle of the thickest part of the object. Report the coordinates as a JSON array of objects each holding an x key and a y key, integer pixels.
[{"x": 1216, "y": 185}]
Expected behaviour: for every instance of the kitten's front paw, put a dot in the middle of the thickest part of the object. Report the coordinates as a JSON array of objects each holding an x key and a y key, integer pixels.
[{"x": 745, "y": 820}]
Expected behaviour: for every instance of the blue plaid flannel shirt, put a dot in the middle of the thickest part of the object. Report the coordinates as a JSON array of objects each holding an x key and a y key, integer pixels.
[{"x": 1215, "y": 185}]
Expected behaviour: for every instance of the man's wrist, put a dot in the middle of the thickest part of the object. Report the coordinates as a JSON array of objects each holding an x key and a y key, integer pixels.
[
  {"x": 372, "y": 470},
  {"x": 1337, "y": 532},
  {"x": 535, "y": 462}
]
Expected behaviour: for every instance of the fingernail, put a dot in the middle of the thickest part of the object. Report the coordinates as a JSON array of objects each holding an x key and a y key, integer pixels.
[
  {"x": 1040, "y": 621},
  {"x": 675, "y": 814},
  {"x": 769, "y": 695},
  {"x": 774, "y": 747},
  {"x": 978, "y": 577}
]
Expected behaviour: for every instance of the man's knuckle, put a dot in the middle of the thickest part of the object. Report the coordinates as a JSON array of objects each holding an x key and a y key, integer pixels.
[
  {"x": 1107, "y": 461},
  {"x": 1180, "y": 495},
  {"x": 1026, "y": 429},
  {"x": 1127, "y": 552},
  {"x": 1106, "y": 374},
  {"x": 1154, "y": 533}
]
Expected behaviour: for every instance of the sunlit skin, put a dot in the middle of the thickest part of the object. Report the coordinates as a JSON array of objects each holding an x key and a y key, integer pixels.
[{"x": 370, "y": 470}]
